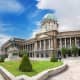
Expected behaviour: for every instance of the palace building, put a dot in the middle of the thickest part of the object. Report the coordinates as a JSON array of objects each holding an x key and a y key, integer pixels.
[{"x": 48, "y": 40}]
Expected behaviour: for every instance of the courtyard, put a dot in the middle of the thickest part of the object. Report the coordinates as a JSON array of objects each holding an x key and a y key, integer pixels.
[{"x": 73, "y": 71}]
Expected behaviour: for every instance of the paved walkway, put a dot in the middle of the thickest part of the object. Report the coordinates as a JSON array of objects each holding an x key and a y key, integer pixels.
[
  {"x": 73, "y": 72},
  {"x": 1, "y": 78}
]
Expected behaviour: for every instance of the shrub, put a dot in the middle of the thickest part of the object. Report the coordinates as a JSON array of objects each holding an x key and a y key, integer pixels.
[
  {"x": 2, "y": 57},
  {"x": 54, "y": 58},
  {"x": 64, "y": 52},
  {"x": 21, "y": 53},
  {"x": 15, "y": 54},
  {"x": 25, "y": 65},
  {"x": 69, "y": 52},
  {"x": 74, "y": 50}
]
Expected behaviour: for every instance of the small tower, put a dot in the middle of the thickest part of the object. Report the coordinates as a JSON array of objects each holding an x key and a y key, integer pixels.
[{"x": 49, "y": 23}]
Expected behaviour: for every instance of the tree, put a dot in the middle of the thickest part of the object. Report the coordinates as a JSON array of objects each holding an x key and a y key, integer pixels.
[
  {"x": 25, "y": 65},
  {"x": 54, "y": 58}
]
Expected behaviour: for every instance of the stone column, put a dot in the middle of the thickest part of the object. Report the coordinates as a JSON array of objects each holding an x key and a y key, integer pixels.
[
  {"x": 65, "y": 42},
  {"x": 44, "y": 45},
  {"x": 75, "y": 42},
  {"x": 49, "y": 44},
  {"x": 29, "y": 48},
  {"x": 25, "y": 46},
  {"x": 52, "y": 43},
  {"x": 35, "y": 48},
  {"x": 44, "y": 55},
  {"x": 70, "y": 43},
  {"x": 55, "y": 43},
  {"x": 60, "y": 43},
  {"x": 40, "y": 45}
]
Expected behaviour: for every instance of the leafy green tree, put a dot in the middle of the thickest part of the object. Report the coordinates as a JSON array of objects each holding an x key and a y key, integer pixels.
[{"x": 25, "y": 65}]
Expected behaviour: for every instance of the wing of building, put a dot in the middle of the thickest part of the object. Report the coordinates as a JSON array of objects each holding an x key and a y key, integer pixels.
[{"x": 49, "y": 39}]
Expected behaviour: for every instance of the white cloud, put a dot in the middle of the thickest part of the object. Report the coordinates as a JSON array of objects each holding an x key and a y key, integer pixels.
[
  {"x": 10, "y": 6},
  {"x": 37, "y": 30},
  {"x": 4, "y": 38},
  {"x": 67, "y": 12},
  {"x": 5, "y": 27},
  {"x": 34, "y": 32}
]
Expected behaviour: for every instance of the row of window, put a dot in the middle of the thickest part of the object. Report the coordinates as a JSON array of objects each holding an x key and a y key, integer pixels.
[{"x": 38, "y": 55}]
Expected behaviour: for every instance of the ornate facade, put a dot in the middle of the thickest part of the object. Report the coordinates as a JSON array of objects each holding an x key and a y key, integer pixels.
[{"x": 49, "y": 39}]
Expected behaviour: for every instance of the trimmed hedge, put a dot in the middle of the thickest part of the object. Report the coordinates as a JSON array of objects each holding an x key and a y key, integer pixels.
[
  {"x": 74, "y": 50},
  {"x": 64, "y": 52},
  {"x": 70, "y": 51},
  {"x": 2, "y": 58},
  {"x": 25, "y": 65},
  {"x": 54, "y": 58},
  {"x": 21, "y": 53},
  {"x": 15, "y": 54}
]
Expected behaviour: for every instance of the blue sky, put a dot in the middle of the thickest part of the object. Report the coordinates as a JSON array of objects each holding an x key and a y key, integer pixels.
[{"x": 22, "y": 19}]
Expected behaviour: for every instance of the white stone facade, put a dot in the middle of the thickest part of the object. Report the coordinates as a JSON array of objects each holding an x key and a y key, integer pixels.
[{"x": 47, "y": 41}]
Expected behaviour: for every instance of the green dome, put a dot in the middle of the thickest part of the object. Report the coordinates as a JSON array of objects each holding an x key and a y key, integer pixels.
[{"x": 50, "y": 16}]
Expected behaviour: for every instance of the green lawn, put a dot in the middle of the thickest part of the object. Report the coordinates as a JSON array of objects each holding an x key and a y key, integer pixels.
[{"x": 38, "y": 66}]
